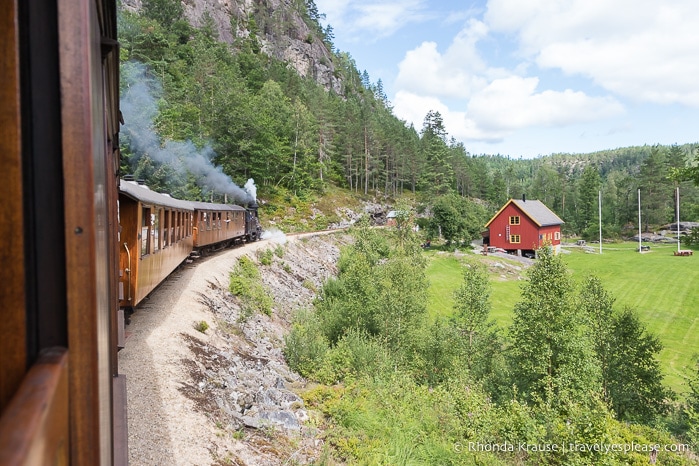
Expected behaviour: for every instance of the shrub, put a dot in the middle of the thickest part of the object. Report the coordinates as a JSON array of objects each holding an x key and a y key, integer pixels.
[
  {"x": 266, "y": 257},
  {"x": 201, "y": 326},
  {"x": 245, "y": 283}
]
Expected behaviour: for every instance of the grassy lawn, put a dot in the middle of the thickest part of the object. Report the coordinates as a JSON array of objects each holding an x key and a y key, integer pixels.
[{"x": 662, "y": 288}]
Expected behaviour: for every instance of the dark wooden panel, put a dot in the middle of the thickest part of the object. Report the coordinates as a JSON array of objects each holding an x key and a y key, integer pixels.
[
  {"x": 12, "y": 299},
  {"x": 84, "y": 146},
  {"x": 34, "y": 427},
  {"x": 43, "y": 178}
]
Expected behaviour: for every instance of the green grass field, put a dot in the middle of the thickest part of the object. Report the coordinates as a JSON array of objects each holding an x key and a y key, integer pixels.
[{"x": 662, "y": 288}]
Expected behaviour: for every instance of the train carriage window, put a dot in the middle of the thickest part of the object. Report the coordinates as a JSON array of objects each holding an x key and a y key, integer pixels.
[
  {"x": 171, "y": 221},
  {"x": 145, "y": 231},
  {"x": 207, "y": 220},
  {"x": 178, "y": 216},
  {"x": 218, "y": 216},
  {"x": 155, "y": 224},
  {"x": 166, "y": 228}
]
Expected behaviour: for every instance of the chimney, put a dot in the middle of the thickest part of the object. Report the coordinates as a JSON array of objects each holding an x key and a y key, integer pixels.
[{"x": 524, "y": 197}]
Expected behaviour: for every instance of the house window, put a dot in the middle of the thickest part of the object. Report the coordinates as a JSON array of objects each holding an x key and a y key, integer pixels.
[
  {"x": 514, "y": 239},
  {"x": 514, "y": 220},
  {"x": 557, "y": 235}
]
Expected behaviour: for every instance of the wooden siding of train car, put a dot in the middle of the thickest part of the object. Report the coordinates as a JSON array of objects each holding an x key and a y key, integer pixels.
[
  {"x": 90, "y": 126},
  {"x": 13, "y": 325},
  {"x": 218, "y": 231},
  {"x": 149, "y": 270}
]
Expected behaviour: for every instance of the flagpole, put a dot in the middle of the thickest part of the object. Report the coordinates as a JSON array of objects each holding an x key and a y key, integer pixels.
[
  {"x": 639, "y": 219},
  {"x": 600, "y": 222},
  {"x": 677, "y": 197}
]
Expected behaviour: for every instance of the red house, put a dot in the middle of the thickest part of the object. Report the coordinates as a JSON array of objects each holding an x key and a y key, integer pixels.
[{"x": 522, "y": 226}]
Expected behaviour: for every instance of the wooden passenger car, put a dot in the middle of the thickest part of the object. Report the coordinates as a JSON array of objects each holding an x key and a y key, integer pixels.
[
  {"x": 62, "y": 400},
  {"x": 156, "y": 237},
  {"x": 218, "y": 224}
]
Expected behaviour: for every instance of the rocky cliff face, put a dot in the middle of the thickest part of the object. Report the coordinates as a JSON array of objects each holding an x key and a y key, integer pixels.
[{"x": 282, "y": 32}]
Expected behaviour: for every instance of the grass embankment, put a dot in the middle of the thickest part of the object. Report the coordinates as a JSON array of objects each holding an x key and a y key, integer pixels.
[
  {"x": 662, "y": 288},
  {"x": 292, "y": 213}
]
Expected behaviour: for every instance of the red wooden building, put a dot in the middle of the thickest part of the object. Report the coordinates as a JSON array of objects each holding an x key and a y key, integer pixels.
[{"x": 522, "y": 226}]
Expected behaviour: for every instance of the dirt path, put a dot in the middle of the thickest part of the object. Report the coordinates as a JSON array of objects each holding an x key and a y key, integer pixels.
[{"x": 164, "y": 426}]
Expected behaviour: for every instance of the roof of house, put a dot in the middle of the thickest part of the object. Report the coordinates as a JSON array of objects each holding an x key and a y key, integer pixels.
[{"x": 535, "y": 210}]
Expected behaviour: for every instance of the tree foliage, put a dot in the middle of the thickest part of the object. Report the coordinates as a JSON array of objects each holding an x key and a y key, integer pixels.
[
  {"x": 632, "y": 381},
  {"x": 551, "y": 355}
]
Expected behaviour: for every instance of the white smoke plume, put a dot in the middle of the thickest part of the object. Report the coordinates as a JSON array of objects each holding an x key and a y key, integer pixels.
[
  {"x": 251, "y": 189},
  {"x": 275, "y": 236},
  {"x": 139, "y": 107}
]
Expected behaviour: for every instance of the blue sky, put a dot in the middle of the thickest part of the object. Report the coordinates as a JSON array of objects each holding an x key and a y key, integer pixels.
[{"x": 532, "y": 77}]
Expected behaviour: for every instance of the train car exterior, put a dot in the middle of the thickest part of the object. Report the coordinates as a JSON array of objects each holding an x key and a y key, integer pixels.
[
  {"x": 156, "y": 237},
  {"x": 218, "y": 224},
  {"x": 62, "y": 400}
]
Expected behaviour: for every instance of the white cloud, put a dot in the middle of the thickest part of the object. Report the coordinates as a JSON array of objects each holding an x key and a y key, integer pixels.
[
  {"x": 513, "y": 103},
  {"x": 644, "y": 50},
  {"x": 498, "y": 101},
  {"x": 507, "y": 105},
  {"x": 459, "y": 72},
  {"x": 368, "y": 20},
  {"x": 413, "y": 108}
]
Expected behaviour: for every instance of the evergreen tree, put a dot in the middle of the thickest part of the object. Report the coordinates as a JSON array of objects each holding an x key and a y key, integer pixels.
[
  {"x": 588, "y": 195},
  {"x": 166, "y": 12},
  {"x": 438, "y": 175},
  {"x": 656, "y": 195}
]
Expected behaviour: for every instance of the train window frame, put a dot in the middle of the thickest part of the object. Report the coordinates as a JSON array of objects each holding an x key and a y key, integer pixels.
[
  {"x": 145, "y": 230},
  {"x": 166, "y": 228},
  {"x": 171, "y": 226},
  {"x": 157, "y": 236}
]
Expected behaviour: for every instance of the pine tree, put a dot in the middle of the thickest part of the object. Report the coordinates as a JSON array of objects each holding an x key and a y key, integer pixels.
[{"x": 588, "y": 192}]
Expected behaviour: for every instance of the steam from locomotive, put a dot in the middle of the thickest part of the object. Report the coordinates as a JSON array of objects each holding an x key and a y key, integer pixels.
[{"x": 139, "y": 106}]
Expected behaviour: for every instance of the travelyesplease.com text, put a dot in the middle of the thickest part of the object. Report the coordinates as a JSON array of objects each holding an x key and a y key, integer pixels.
[{"x": 460, "y": 447}]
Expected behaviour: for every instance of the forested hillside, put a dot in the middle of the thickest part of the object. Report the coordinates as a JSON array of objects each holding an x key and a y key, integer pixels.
[{"x": 258, "y": 89}]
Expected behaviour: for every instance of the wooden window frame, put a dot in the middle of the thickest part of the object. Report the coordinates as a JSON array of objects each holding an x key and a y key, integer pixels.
[
  {"x": 515, "y": 239},
  {"x": 145, "y": 231},
  {"x": 514, "y": 220}
]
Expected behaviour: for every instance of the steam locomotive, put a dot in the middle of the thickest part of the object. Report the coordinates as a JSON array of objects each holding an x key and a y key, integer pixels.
[{"x": 78, "y": 244}]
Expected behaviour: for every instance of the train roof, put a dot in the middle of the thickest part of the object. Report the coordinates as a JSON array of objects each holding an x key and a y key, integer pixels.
[
  {"x": 217, "y": 207},
  {"x": 141, "y": 193}
]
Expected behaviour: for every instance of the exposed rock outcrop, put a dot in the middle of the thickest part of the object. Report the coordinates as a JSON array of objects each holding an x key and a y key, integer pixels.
[{"x": 282, "y": 32}]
